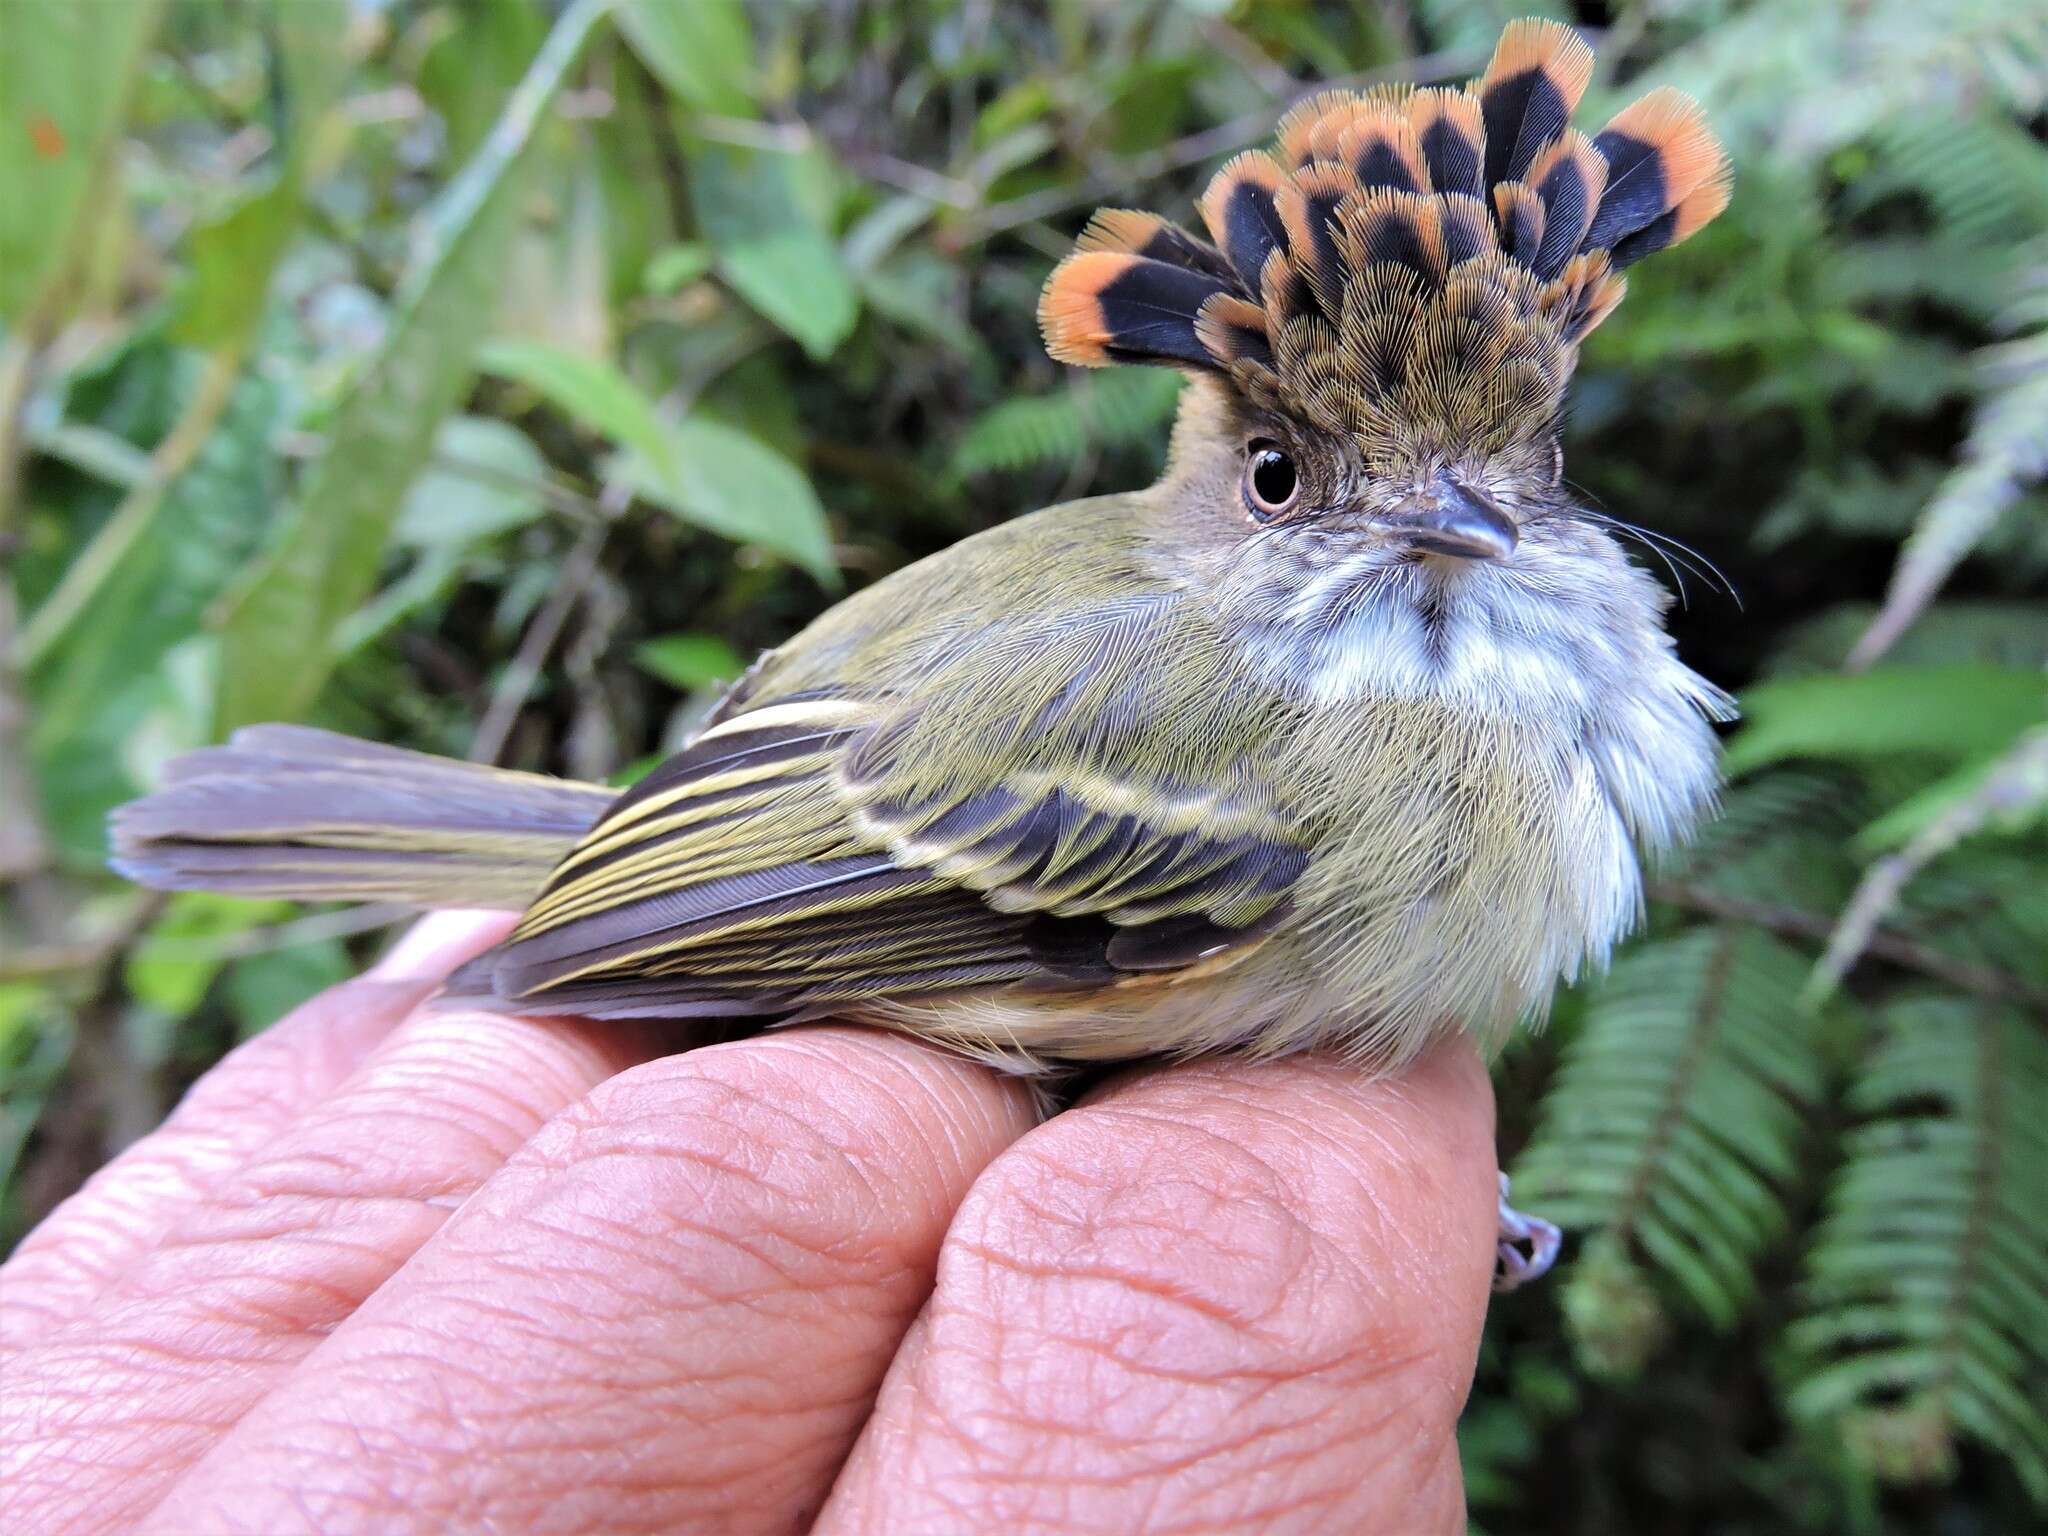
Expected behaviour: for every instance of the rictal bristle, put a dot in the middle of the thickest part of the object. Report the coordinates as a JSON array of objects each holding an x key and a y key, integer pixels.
[{"x": 1412, "y": 264}]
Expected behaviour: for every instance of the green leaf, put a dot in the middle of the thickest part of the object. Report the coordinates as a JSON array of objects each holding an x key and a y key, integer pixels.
[
  {"x": 276, "y": 648},
  {"x": 1949, "y": 711},
  {"x": 689, "y": 662},
  {"x": 174, "y": 965},
  {"x": 794, "y": 278},
  {"x": 159, "y": 586},
  {"x": 264, "y": 988},
  {"x": 1116, "y": 406},
  {"x": 675, "y": 267},
  {"x": 232, "y": 255},
  {"x": 485, "y": 478},
  {"x": 588, "y": 390},
  {"x": 234, "y": 252},
  {"x": 2006, "y": 452},
  {"x": 64, "y": 73},
  {"x": 702, "y": 50},
  {"x": 463, "y": 74},
  {"x": 774, "y": 247},
  {"x": 734, "y": 485},
  {"x": 1915, "y": 815}
]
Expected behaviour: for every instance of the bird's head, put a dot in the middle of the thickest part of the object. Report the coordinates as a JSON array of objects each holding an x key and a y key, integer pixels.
[{"x": 1382, "y": 327}]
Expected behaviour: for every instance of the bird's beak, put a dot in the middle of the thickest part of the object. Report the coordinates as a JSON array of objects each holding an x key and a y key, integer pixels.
[{"x": 1450, "y": 519}]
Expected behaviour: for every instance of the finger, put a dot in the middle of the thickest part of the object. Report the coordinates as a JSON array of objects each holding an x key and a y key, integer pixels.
[
  {"x": 105, "y": 1413},
  {"x": 670, "y": 1312},
  {"x": 244, "y": 1101},
  {"x": 1215, "y": 1298}
]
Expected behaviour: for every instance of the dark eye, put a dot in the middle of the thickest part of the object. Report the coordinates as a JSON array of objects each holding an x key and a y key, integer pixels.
[{"x": 1271, "y": 482}]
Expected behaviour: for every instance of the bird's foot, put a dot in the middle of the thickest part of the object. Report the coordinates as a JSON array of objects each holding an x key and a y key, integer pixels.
[{"x": 1542, "y": 1240}]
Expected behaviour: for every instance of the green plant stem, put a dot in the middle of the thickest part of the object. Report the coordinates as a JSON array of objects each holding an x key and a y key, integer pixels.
[
  {"x": 517, "y": 684},
  {"x": 170, "y": 459}
]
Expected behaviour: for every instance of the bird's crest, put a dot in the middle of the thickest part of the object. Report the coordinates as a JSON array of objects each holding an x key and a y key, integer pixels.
[{"x": 1415, "y": 267}]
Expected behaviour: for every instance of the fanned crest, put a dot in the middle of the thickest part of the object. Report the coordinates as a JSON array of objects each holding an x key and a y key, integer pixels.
[{"x": 1414, "y": 268}]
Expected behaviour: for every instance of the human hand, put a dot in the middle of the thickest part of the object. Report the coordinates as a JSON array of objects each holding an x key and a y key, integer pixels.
[{"x": 394, "y": 1270}]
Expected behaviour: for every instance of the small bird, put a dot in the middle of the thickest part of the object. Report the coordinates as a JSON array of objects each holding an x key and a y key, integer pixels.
[{"x": 1347, "y": 733}]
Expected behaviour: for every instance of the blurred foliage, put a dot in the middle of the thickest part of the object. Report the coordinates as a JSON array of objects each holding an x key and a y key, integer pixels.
[{"x": 493, "y": 376}]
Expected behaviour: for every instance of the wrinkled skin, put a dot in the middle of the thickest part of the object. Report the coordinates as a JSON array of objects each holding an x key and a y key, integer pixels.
[{"x": 388, "y": 1270}]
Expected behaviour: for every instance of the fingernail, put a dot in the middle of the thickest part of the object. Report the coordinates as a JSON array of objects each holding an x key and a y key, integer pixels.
[{"x": 439, "y": 942}]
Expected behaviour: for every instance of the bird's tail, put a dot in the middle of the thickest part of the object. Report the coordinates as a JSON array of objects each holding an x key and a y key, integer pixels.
[{"x": 285, "y": 810}]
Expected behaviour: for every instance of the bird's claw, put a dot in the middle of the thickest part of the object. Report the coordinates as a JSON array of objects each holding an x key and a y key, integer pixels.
[{"x": 1543, "y": 1239}]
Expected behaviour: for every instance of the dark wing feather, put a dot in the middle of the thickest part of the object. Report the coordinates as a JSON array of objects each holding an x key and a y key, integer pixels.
[{"x": 780, "y": 865}]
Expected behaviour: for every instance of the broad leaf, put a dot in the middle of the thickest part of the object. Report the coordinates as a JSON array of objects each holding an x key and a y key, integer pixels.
[
  {"x": 733, "y": 484},
  {"x": 234, "y": 253},
  {"x": 175, "y": 962},
  {"x": 485, "y": 478},
  {"x": 64, "y": 72},
  {"x": 156, "y": 592},
  {"x": 1949, "y": 711},
  {"x": 701, "y": 50},
  {"x": 773, "y": 243},
  {"x": 588, "y": 390},
  {"x": 689, "y": 661}
]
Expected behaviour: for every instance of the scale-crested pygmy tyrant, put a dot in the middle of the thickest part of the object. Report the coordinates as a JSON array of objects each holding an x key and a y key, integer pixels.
[{"x": 1344, "y": 734}]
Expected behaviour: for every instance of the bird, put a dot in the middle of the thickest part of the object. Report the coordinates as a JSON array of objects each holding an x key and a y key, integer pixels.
[{"x": 1351, "y": 732}]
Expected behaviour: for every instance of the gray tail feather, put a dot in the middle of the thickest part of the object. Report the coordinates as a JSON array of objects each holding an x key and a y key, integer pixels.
[{"x": 286, "y": 810}]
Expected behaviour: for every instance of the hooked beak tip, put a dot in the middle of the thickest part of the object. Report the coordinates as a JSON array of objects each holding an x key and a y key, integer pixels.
[{"x": 1459, "y": 523}]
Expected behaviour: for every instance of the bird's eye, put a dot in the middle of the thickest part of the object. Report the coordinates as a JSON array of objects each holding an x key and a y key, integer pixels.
[{"x": 1271, "y": 482}]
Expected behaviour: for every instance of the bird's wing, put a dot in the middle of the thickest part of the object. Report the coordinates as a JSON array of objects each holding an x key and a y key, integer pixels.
[{"x": 1054, "y": 813}]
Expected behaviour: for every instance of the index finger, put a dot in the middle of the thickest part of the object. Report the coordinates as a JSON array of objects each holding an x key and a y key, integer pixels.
[{"x": 1224, "y": 1297}]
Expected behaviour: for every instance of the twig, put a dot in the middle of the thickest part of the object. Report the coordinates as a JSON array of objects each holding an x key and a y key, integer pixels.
[
  {"x": 555, "y": 498},
  {"x": 1885, "y": 944},
  {"x": 517, "y": 684},
  {"x": 1272, "y": 78},
  {"x": 794, "y": 137},
  {"x": 2017, "y": 783}
]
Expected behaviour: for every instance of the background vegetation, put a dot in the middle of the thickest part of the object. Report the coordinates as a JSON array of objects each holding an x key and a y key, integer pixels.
[{"x": 496, "y": 377}]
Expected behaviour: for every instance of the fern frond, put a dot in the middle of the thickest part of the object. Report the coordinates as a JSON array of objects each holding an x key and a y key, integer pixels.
[
  {"x": 1987, "y": 908},
  {"x": 1927, "y": 1286},
  {"x": 1674, "y": 1129},
  {"x": 1883, "y": 58},
  {"x": 1982, "y": 175},
  {"x": 2014, "y": 786},
  {"x": 2007, "y": 451},
  {"x": 1105, "y": 409},
  {"x": 1780, "y": 839}
]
